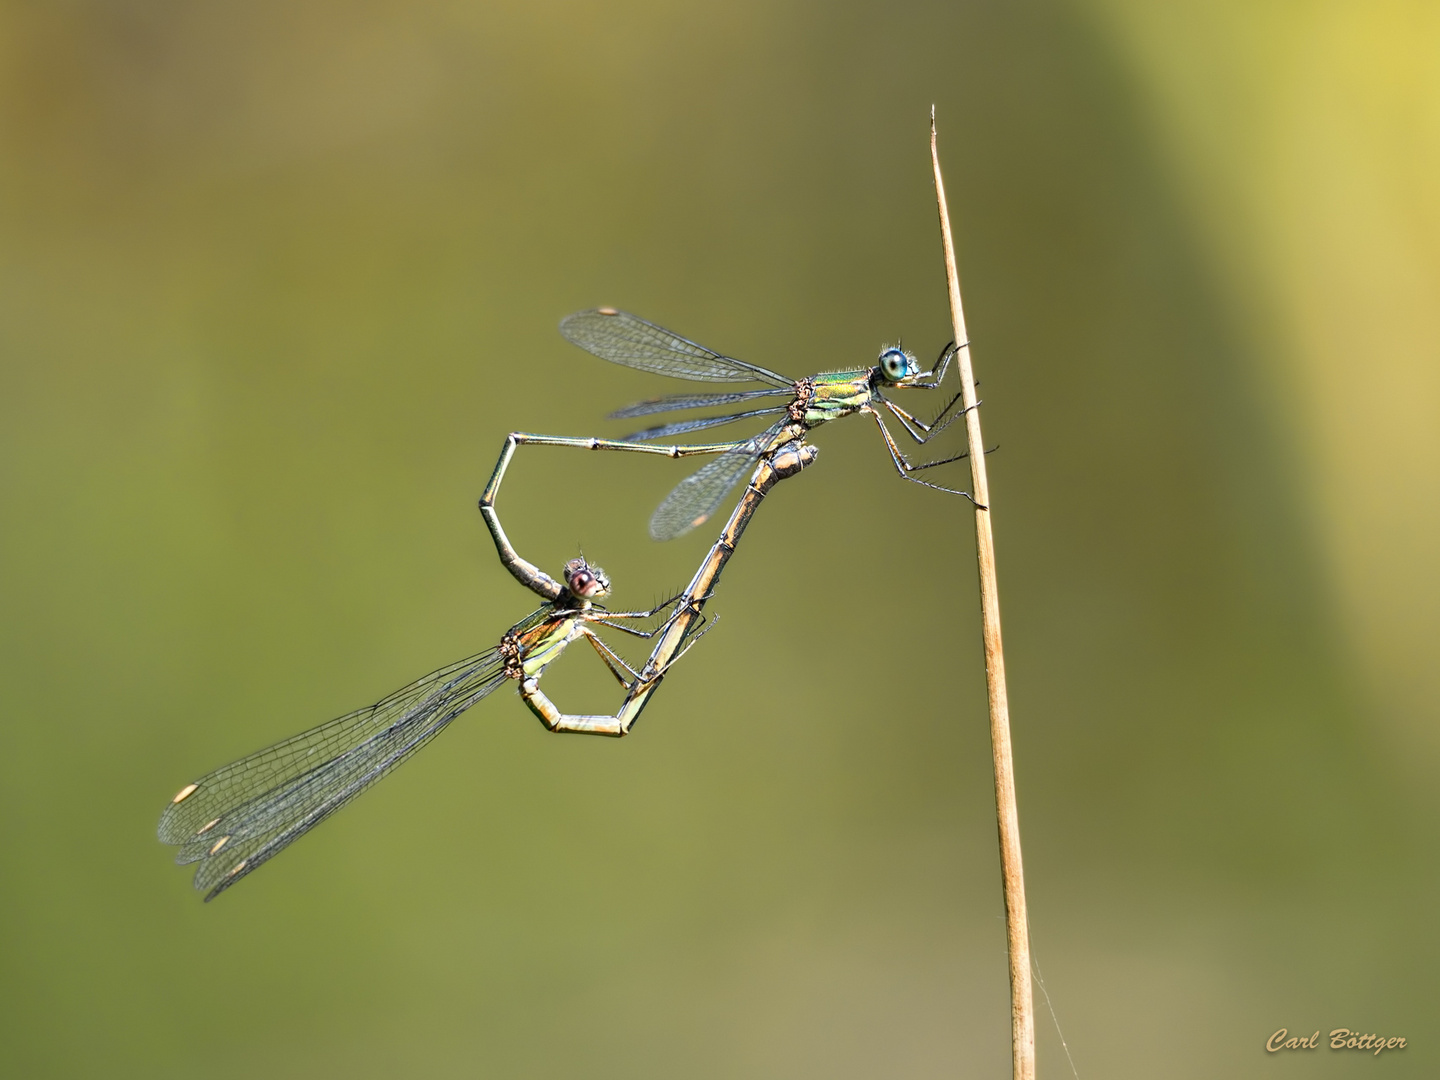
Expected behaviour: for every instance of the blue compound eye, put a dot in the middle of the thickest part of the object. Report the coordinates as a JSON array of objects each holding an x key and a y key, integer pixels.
[{"x": 895, "y": 364}]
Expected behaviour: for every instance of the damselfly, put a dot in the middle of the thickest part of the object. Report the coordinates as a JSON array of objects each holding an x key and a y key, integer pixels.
[
  {"x": 632, "y": 341},
  {"x": 235, "y": 819}
]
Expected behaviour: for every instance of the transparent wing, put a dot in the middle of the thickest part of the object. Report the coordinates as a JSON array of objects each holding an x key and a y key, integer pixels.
[
  {"x": 676, "y": 402},
  {"x": 682, "y": 427},
  {"x": 627, "y": 339},
  {"x": 695, "y": 498},
  {"x": 236, "y": 818},
  {"x": 328, "y": 792}
]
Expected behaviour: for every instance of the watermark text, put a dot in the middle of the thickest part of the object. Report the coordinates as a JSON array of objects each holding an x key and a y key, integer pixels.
[{"x": 1338, "y": 1039}]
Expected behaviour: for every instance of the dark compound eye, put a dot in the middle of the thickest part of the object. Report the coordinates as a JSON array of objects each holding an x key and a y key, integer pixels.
[{"x": 895, "y": 364}]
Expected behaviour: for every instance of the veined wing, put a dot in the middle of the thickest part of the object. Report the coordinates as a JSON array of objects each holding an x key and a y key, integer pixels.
[
  {"x": 239, "y": 816},
  {"x": 695, "y": 498},
  {"x": 323, "y": 794},
  {"x": 627, "y": 339},
  {"x": 682, "y": 427},
  {"x": 676, "y": 402}
]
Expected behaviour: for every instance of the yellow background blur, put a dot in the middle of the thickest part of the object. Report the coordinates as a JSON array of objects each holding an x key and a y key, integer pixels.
[{"x": 278, "y": 277}]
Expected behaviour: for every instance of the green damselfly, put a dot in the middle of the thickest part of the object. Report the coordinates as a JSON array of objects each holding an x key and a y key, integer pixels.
[
  {"x": 238, "y": 817},
  {"x": 627, "y": 339},
  {"x": 234, "y": 819}
]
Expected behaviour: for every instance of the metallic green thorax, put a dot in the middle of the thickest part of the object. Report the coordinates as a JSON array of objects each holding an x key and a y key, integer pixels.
[{"x": 835, "y": 394}]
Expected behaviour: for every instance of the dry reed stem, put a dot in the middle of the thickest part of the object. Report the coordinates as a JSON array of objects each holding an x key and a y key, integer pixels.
[{"x": 1022, "y": 1004}]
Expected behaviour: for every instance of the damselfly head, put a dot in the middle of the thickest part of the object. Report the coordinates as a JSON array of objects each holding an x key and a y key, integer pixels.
[
  {"x": 897, "y": 365},
  {"x": 585, "y": 581}
]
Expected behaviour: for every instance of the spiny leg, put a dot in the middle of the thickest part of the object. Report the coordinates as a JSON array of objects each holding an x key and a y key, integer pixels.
[
  {"x": 908, "y": 466},
  {"x": 608, "y": 617},
  {"x": 705, "y": 623},
  {"x": 937, "y": 375},
  {"x": 926, "y": 432},
  {"x": 905, "y": 468},
  {"x": 613, "y": 660},
  {"x": 638, "y": 633},
  {"x": 942, "y": 365}
]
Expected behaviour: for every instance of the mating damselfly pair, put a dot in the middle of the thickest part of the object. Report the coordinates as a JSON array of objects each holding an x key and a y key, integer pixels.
[{"x": 233, "y": 820}]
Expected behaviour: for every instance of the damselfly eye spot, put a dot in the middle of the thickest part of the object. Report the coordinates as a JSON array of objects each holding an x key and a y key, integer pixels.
[
  {"x": 185, "y": 793},
  {"x": 219, "y": 844}
]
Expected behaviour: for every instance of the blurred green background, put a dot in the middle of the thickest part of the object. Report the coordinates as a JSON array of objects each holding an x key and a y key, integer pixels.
[{"x": 277, "y": 279}]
